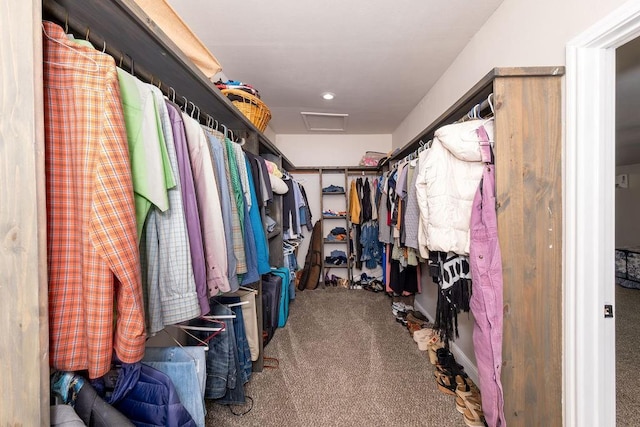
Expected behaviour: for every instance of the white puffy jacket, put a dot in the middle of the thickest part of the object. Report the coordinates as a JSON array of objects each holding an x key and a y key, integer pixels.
[{"x": 448, "y": 177}]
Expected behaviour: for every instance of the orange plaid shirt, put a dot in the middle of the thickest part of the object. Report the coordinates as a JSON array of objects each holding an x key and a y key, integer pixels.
[{"x": 93, "y": 257}]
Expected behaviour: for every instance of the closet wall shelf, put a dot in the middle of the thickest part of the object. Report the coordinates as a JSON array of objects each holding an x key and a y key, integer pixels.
[
  {"x": 479, "y": 92},
  {"x": 303, "y": 169},
  {"x": 128, "y": 33},
  {"x": 334, "y": 216}
]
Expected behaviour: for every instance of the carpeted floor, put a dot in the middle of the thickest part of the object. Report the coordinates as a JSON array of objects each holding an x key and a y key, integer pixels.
[
  {"x": 343, "y": 361},
  {"x": 627, "y": 351}
]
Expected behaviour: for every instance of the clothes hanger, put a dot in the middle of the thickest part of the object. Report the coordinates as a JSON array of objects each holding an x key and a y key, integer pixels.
[
  {"x": 236, "y": 304},
  {"x": 216, "y": 330},
  {"x": 186, "y": 103},
  {"x": 493, "y": 112},
  {"x": 218, "y": 316},
  {"x": 172, "y": 94},
  {"x": 93, "y": 70},
  {"x": 203, "y": 343}
]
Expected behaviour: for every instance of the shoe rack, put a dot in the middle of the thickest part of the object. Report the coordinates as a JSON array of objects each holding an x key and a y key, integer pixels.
[{"x": 338, "y": 203}]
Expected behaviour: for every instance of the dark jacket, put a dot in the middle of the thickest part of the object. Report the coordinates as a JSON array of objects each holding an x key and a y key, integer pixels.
[{"x": 148, "y": 398}]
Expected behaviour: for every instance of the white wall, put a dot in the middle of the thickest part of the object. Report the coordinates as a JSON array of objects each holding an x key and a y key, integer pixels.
[
  {"x": 330, "y": 150},
  {"x": 628, "y": 208},
  {"x": 519, "y": 33}
]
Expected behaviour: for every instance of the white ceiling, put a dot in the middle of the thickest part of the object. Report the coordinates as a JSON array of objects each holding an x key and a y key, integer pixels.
[{"x": 379, "y": 57}]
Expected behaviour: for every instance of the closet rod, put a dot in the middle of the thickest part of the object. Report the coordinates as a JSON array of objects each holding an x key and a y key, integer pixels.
[
  {"x": 477, "y": 109},
  {"x": 474, "y": 113},
  {"x": 59, "y": 13}
]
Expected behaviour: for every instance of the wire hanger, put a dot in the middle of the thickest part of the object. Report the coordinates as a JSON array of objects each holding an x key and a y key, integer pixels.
[
  {"x": 172, "y": 94},
  {"x": 205, "y": 344},
  {"x": 236, "y": 304},
  {"x": 489, "y": 98},
  {"x": 80, "y": 53}
]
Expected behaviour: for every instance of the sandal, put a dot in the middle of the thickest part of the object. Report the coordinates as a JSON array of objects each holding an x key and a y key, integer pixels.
[
  {"x": 447, "y": 384},
  {"x": 467, "y": 395},
  {"x": 446, "y": 360},
  {"x": 473, "y": 417}
]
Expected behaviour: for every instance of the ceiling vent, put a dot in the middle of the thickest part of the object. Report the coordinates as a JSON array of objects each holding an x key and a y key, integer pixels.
[{"x": 325, "y": 122}]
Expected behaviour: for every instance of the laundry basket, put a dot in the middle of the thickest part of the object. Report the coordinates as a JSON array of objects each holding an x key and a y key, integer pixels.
[{"x": 251, "y": 106}]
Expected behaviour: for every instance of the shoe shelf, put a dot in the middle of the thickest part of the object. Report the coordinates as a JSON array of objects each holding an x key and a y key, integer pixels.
[{"x": 334, "y": 201}]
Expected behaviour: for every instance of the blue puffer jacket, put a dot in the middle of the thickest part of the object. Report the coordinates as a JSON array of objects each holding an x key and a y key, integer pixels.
[{"x": 148, "y": 398}]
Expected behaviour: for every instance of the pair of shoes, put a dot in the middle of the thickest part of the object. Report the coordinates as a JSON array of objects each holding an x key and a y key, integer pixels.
[
  {"x": 413, "y": 316},
  {"x": 433, "y": 347},
  {"x": 413, "y": 327},
  {"x": 374, "y": 286},
  {"x": 447, "y": 384},
  {"x": 469, "y": 402},
  {"x": 467, "y": 394},
  {"x": 398, "y": 307},
  {"x": 401, "y": 318},
  {"x": 425, "y": 337},
  {"x": 343, "y": 283},
  {"x": 446, "y": 361},
  {"x": 333, "y": 280},
  {"x": 419, "y": 316},
  {"x": 66, "y": 386}
]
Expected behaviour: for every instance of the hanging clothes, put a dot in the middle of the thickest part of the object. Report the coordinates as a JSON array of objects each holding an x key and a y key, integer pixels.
[
  {"x": 447, "y": 180},
  {"x": 412, "y": 211},
  {"x": 217, "y": 153},
  {"x": 487, "y": 300},
  {"x": 208, "y": 200},
  {"x": 91, "y": 220},
  {"x": 167, "y": 273},
  {"x": 190, "y": 206},
  {"x": 236, "y": 225},
  {"x": 260, "y": 239},
  {"x": 150, "y": 167}
]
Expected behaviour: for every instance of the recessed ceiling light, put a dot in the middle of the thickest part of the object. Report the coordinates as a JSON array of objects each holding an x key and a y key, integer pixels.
[{"x": 328, "y": 96}]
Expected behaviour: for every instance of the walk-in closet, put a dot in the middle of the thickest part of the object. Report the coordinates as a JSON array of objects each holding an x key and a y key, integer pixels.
[{"x": 332, "y": 214}]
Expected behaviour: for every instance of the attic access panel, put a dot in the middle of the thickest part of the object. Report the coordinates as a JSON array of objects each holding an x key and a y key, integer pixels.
[{"x": 325, "y": 122}]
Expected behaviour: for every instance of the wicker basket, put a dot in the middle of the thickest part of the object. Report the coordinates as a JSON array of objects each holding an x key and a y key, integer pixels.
[{"x": 252, "y": 107}]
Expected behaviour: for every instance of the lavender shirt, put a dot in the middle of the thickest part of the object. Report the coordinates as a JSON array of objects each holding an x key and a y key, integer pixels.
[{"x": 190, "y": 207}]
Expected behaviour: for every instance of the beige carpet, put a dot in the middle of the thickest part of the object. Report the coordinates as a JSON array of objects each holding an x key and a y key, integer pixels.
[
  {"x": 627, "y": 353},
  {"x": 344, "y": 361}
]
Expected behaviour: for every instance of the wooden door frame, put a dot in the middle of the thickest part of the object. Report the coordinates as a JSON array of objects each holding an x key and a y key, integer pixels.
[{"x": 589, "y": 232}]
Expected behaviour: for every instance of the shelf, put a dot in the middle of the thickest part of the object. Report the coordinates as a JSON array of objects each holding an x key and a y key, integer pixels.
[
  {"x": 333, "y": 192},
  {"x": 334, "y": 241},
  {"x": 335, "y": 266},
  {"x": 334, "y": 217},
  {"x": 155, "y": 56}
]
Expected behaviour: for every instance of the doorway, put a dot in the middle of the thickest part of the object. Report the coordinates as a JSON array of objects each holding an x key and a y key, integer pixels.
[
  {"x": 627, "y": 230},
  {"x": 589, "y": 234}
]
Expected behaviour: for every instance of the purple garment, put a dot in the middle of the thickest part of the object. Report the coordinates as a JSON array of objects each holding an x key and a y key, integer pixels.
[
  {"x": 486, "y": 300},
  {"x": 190, "y": 207}
]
